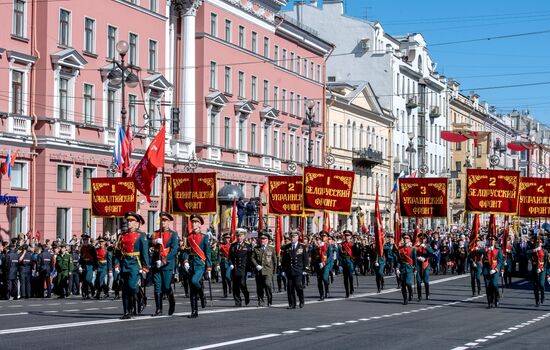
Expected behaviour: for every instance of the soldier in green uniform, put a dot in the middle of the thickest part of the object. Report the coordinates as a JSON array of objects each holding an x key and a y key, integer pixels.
[
  {"x": 225, "y": 264},
  {"x": 492, "y": 265},
  {"x": 63, "y": 267},
  {"x": 197, "y": 263},
  {"x": 88, "y": 265},
  {"x": 104, "y": 263},
  {"x": 379, "y": 268},
  {"x": 348, "y": 254},
  {"x": 390, "y": 257},
  {"x": 322, "y": 262},
  {"x": 423, "y": 253},
  {"x": 132, "y": 259},
  {"x": 165, "y": 244},
  {"x": 539, "y": 259},
  {"x": 406, "y": 260},
  {"x": 215, "y": 255},
  {"x": 264, "y": 261},
  {"x": 476, "y": 267}
]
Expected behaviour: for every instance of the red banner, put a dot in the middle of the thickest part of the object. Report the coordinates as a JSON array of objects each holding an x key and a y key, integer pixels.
[
  {"x": 423, "y": 197},
  {"x": 286, "y": 195},
  {"x": 534, "y": 197},
  {"x": 328, "y": 190},
  {"x": 113, "y": 196},
  {"x": 194, "y": 193},
  {"x": 492, "y": 191}
]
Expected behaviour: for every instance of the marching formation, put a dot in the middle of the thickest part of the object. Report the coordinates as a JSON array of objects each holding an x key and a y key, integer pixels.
[{"x": 127, "y": 264}]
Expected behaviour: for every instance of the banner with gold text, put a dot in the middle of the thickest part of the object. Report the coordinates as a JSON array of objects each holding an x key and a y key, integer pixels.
[
  {"x": 113, "y": 196},
  {"x": 286, "y": 195},
  {"x": 492, "y": 191},
  {"x": 193, "y": 193},
  {"x": 534, "y": 197},
  {"x": 423, "y": 197},
  {"x": 328, "y": 190}
]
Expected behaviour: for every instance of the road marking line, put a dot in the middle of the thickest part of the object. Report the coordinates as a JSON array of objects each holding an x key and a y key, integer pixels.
[
  {"x": 324, "y": 326},
  {"x": 482, "y": 340},
  {"x": 290, "y": 332},
  {"x": 232, "y": 342},
  {"x": 338, "y": 324},
  {"x": 364, "y": 319},
  {"x": 110, "y": 308},
  {"x": 50, "y": 311},
  {"x": 15, "y": 314},
  {"x": 92, "y": 309},
  {"x": 351, "y": 321},
  {"x": 71, "y": 310},
  {"x": 34, "y": 305},
  {"x": 490, "y": 337},
  {"x": 471, "y": 344},
  {"x": 15, "y": 306},
  {"x": 307, "y": 329}
]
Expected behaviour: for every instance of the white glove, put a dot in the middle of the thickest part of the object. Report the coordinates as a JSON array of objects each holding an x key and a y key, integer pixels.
[
  {"x": 493, "y": 271},
  {"x": 218, "y": 268},
  {"x": 321, "y": 265},
  {"x": 158, "y": 241},
  {"x": 186, "y": 266},
  {"x": 539, "y": 270},
  {"x": 376, "y": 264},
  {"x": 422, "y": 245},
  {"x": 397, "y": 272},
  {"x": 421, "y": 258},
  {"x": 258, "y": 267},
  {"x": 117, "y": 270},
  {"x": 110, "y": 275},
  {"x": 537, "y": 249},
  {"x": 548, "y": 280},
  {"x": 209, "y": 274},
  {"x": 304, "y": 273},
  {"x": 491, "y": 248},
  {"x": 501, "y": 273},
  {"x": 158, "y": 263},
  {"x": 231, "y": 267},
  {"x": 80, "y": 269},
  {"x": 283, "y": 274}
]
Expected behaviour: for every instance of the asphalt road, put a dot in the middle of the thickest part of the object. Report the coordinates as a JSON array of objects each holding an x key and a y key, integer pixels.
[{"x": 451, "y": 319}]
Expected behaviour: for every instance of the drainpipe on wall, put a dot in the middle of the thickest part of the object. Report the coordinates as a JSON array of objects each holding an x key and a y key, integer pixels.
[{"x": 33, "y": 152}]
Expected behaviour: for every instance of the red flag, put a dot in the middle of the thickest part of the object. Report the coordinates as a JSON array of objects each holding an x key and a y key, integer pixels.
[
  {"x": 326, "y": 222},
  {"x": 126, "y": 151},
  {"x": 37, "y": 236},
  {"x": 261, "y": 217},
  {"x": 234, "y": 221},
  {"x": 264, "y": 189},
  {"x": 475, "y": 232},
  {"x": 4, "y": 168},
  {"x": 505, "y": 235},
  {"x": 146, "y": 170},
  {"x": 278, "y": 234},
  {"x": 378, "y": 229},
  {"x": 493, "y": 226},
  {"x": 13, "y": 157},
  {"x": 397, "y": 221}
]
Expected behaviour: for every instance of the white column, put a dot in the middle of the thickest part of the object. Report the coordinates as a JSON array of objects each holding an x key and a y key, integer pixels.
[{"x": 188, "y": 74}]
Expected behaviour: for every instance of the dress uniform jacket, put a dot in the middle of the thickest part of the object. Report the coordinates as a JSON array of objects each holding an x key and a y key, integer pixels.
[
  {"x": 265, "y": 257},
  {"x": 133, "y": 256},
  {"x": 239, "y": 254},
  {"x": 294, "y": 261}
]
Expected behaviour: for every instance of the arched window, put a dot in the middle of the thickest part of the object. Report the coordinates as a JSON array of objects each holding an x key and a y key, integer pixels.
[
  {"x": 361, "y": 136},
  {"x": 354, "y": 136},
  {"x": 348, "y": 135},
  {"x": 420, "y": 66}
]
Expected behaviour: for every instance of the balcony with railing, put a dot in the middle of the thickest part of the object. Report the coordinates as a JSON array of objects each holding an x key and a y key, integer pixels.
[
  {"x": 367, "y": 157},
  {"x": 20, "y": 125}
]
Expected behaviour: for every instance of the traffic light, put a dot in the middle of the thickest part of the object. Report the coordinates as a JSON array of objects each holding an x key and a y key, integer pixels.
[{"x": 175, "y": 121}]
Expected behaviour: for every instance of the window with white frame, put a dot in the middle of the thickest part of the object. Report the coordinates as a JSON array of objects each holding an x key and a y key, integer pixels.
[
  {"x": 241, "y": 84},
  {"x": 254, "y": 92},
  {"x": 132, "y": 109},
  {"x": 17, "y": 89},
  {"x": 276, "y": 144},
  {"x": 19, "y": 18},
  {"x": 266, "y": 139},
  {"x": 87, "y": 175},
  {"x": 241, "y": 37},
  {"x": 283, "y": 59},
  {"x": 276, "y": 55},
  {"x": 228, "y": 30},
  {"x": 253, "y": 138},
  {"x": 240, "y": 136},
  {"x": 111, "y": 41},
  {"x": 153, "y": 4},
  {"x": 154, "y": 111},
  {"x": 298, "y": 105},
  {"x": 298, "y": 69},
  {"x": 227, "y": 131},
  {"x": 213, "y": 24},
  {"x": 254, "y": 44},
  {"x": 266, "y": 92},
  {"x": 297, "y": 149},
  {"x": 63, "y": 94},
  {"x": 291, "y": 103},
  {"x": 63, "y": 223},
  {"x": 227, "y": 80},
  {"x": 152, "y": 56},
  {"x": 64, "y": 27},
  {"x": 283, "y": 146},
  {"x": 133, "y": 49},
  {"x": 319, "y": 73},
  {"x": 111, "y": 94},
  {"x": 89, "y": 35},
  {"x": 64, "y": 178},
  {"x": 18, "y": 221},
  {"x": 86, "y": 220},
  {"x": 213, "y": 73},
  {"x": 305, "y": 67},
  {"x": 214, "y": 135},
  {"x": 88, "y": 103},
  {"x": 291, "y": 67},
  {"x": 276, "y": 97},
  {"x": 266, "y": 47},
  {"x": 291, "y": 147},
  {"x": 155, "y": 188},
  {"x": 283, "y": 101},
  {"x": 152, "y": 219},
  {"x": 18, "y": 179}
]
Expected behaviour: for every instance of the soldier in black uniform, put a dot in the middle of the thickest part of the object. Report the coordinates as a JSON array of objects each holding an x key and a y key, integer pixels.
[
  {"x": 44, "y": 268},
  {"x": 294, "y": 260},
  {"x": 74, "y": 277},
  {"x": 239, "y": 255},
  {"x": 3, "y": 271},
  {"x": 25, "y": 271},
  {"x": 12, "y": 266}
]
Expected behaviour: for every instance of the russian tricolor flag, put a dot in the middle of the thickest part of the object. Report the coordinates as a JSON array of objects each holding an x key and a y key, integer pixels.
[{"x": 123, "y": 150}]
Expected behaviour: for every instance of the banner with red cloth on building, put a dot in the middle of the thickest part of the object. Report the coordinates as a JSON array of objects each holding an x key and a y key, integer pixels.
[
  {"x": 423, "y": 197},
  {"x": 193, "y": 193},
  {"x": 378, "y": 228},
  {"x": 492, "y": 191},
  {"x": 534, "y": 197},
  {"x": 113, "y": 196},
  {"x": 286, "y": 195},
  {"x": 145, "y": 172},
  {"x": 328, "y": 190}
]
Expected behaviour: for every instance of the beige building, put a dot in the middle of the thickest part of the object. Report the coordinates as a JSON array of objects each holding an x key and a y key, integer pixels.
[{"x": 359, "y": 134}]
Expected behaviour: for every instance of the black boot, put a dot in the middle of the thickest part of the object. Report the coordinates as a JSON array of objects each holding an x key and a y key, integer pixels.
[
  {"x": 405, "y": 297},
  {"x": 126, "y": 313},
  {"x": 427, "y": 291},
  {"x": 203, "y": 298},
  {"x": 410, "y": 289},
  {"x": 171, "y": 303},
  {"x": 419, "y": 289},
  {"x": 158, "y": 305}
]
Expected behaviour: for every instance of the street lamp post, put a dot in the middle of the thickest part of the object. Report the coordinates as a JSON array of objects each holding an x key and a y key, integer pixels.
[
  {"x": 410, "y": 150},
  {"x": 123, "y": 75},
  {"x": 311, "y": 123}
]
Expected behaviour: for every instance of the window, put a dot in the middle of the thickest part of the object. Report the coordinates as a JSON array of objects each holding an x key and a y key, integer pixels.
[
  {"x": 19, "y": 7},
  {"x": 241, "y": 36},
  {"x": 88, "y": 103},
  {"x": 291, "y": 147},
  {"x": 62, "y": 223},
  {"x": 291, "y": 103},
  {"x": 227, "y": 80},
  {"x": 133, "y": 50},
  {"x": 266, "y": 92},
  {"x": 298, "y": 105},
  {"x": 266, "y": 47},
  {"x": 319, "y": 73},
  {"x": 276, "y": 55},
  {"x": 213, "y": 133},
  {"x": 276, "y": 144},
  {"x": 254, "y": 81},
  {"x": 64, "y": 27},
  {"x": 254, "y": 42},
  {"x": 155, "y": 188},
  {"x": 241, "y": 84},
  {"x": 227, "y": 132},
  {"x": 297, "y": 156},
  {"x": 305, "y": 67},
  {"x": 266, "y": 138},
  {"x": 111, "y": 108},
  {"x": 17, "y": 92},
  {"x": 132, "y": 109},
  {"x": 152, "y": 55},
  {"x": 298, "y": 64},
  {"x": 283, "y": 101},
  {"x": 213, "y": 24},
  {"x": 253, "y": 138},
  {"x": 153, "y": 5},
  {"x": 17, "y": 221},
  {"x": 311, "y": 71},
  {"x": 458, "y": 146},
  {"x": 213, "y": 72},
  {"x": 241, "y": 134},
  {"x": 63, "y": 98},
  {"x": 111, "y": 41},
  {"x": 458, "y": 193},
  {"x": 86, "y": 220},
  {"x": 64, "y": 178},
  {"x": 151, "y": 221},
  {"x": 87, "y": 174},
  {"x": 276, "y": 97},
  {"x": 305, "y": 153},
  {"x": 318, "y": 153},
  {"x": 283, "y": 60},
  {"x": 292, "y": 61},
  {"x": 18, "y": 179},
  {"x": 227, "y": 30},
  {"x": 89, "y": 35}
]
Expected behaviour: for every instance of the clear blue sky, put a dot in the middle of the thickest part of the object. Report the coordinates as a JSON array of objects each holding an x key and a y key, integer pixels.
[{"x": 488, "y": 63}]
